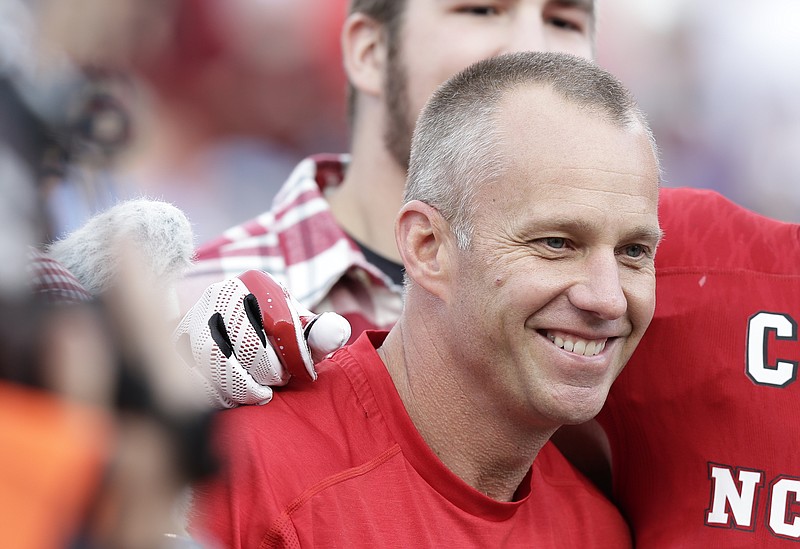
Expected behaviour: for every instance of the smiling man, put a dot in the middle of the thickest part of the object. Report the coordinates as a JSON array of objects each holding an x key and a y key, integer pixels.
[{"x": 529, "y": 227}]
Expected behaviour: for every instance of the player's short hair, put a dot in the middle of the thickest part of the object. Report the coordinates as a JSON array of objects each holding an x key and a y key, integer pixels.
[
  {"x": 456, "y": 144},
  {"x": 386, "y": 12},
  {"x": 389, "y": 13}
]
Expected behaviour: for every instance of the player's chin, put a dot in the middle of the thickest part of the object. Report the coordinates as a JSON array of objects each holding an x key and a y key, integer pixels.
[{"x": 580, "y": 404}]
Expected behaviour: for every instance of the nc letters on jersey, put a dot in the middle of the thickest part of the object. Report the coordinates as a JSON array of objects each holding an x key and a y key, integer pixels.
[
  {"x": 734, "y": 493},
  {"x": 735, "y": 490}
]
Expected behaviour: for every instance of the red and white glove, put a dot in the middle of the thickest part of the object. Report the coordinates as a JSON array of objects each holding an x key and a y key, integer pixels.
[{"x": 248, "y": 333}]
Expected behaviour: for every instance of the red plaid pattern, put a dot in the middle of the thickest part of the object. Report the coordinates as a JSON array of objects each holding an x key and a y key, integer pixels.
[
  {"x": 299, "y": 242},
  {"x": 52, "y": 281}
]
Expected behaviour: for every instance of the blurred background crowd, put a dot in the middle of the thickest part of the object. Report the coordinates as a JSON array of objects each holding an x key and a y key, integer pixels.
[
  {"x": 209, "y": 105},
  {"x": 718, "y": 79}
]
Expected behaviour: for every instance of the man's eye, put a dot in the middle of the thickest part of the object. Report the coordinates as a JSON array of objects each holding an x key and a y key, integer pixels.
[
  {"x": 480, "y": 10},
  {"x": 635, "y": 251},
  {"x": 555, "y": 242},
  {"x": 564, "y": 24}
]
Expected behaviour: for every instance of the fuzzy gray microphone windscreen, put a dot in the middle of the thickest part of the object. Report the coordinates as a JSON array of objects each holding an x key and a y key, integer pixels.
[{"x": 159, "y": 233}]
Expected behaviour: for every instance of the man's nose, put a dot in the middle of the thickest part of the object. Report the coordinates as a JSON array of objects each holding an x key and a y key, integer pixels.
[{"x": 599, "y": 290}]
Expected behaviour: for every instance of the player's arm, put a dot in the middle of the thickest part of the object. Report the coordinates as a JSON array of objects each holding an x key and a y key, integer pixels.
[
  {"x": 248, "y": 334},
  {"x": 235, "y": 506}
]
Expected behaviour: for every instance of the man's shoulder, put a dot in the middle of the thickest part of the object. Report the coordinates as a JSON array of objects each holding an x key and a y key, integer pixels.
[
  {"x": 704, "y": 229},
  {"x": 295, "y": 410},
  {"x": 304, "y": 421},
  {"x": 293, "y": 446}
]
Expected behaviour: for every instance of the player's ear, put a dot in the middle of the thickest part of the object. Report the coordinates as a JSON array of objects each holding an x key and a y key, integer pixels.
[
  {"x": 426, "y": 245},
  {"x": 364, "y": 53}
]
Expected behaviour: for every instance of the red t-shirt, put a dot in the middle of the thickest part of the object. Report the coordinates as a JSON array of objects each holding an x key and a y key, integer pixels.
[
  {"x": 704, "y": 421},
  {"x": 340, "y": 464}
]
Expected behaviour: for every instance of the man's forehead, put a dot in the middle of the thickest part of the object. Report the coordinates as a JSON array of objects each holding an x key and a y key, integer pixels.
[{"x": 618, "y": 212}]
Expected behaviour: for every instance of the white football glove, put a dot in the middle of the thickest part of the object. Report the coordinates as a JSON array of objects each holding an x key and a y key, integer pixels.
[{"x": 248, "y": 333}]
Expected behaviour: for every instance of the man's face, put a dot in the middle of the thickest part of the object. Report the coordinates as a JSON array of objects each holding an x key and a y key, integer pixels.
[
  {"x": 439, "y": 38},
  {"x": 558, "y": 285}
]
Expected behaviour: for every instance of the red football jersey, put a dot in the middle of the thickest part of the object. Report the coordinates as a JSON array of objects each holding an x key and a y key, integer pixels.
[{"x": 704, "y": 421}]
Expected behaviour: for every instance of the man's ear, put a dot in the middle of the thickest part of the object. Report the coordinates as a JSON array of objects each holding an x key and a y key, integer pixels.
[
  {"x": 426, "y": 245},
  {"x": 364, "y": 53}
]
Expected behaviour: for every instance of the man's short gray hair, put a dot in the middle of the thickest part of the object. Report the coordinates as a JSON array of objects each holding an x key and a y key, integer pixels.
[{"x": 456, "y": 149}]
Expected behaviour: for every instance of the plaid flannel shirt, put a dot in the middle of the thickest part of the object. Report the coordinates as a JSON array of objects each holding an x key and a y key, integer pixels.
[
  {"x": 299, "y": 242},
  {"x": 51, "y": 281}
]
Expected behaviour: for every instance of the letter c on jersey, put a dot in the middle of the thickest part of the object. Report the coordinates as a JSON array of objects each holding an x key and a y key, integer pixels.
[
  {"x": 758, "y": 328},
  {"x": 782, "y": 523}
]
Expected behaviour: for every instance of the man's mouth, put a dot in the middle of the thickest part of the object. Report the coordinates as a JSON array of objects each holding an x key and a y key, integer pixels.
[{"x": 576, "y": 345}]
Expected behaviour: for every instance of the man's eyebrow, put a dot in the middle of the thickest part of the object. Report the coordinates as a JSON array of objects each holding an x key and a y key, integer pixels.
[
  {"x": 585, "y": 5},
  {"x": 647, "y": 233}
]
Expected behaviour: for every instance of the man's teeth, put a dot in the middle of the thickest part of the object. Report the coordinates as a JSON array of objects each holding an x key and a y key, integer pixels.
[{"x": 579, "y": 346}]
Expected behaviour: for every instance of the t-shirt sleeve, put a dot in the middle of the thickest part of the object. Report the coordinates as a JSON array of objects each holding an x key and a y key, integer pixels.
[{"x": 237, "y": 507}]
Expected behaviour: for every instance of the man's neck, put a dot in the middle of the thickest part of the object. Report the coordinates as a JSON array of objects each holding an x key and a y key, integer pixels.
[
  {"x": 366, "y": 203},
  {"x": 466, "y": 429}
]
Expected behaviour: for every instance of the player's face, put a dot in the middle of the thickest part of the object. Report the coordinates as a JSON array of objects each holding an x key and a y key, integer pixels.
[
  {"x": 558, "y": 285},
  {"x": 439, "y": 38}
]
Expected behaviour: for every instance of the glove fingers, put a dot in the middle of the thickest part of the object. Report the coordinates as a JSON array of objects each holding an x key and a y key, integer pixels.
[
  {"x": 327, "y": 333},
  {"x": 215, "y": 398},
  {"x": 237, "y": 385},
  {"x": 280, "y": 321},
  {"x": 253, "y": 311},
  {"x": 224, "y": 343},
  {"x": 216, "y": 327},
  {"x": 220, "y": 344},
  {"x": 235, "y": 326},
  {"x": 252, "y": 349},
  {"x": 226, "y": 384},
  {"x": 266, "y": 368}
]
